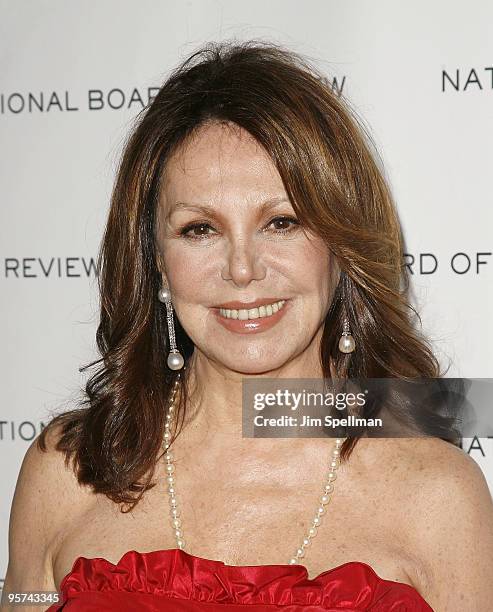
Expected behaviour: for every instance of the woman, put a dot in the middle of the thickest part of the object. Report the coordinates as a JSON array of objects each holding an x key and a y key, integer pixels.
[{"x": 247, "y": 184}]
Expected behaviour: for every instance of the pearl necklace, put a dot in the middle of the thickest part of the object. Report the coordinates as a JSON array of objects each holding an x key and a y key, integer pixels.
[{"x": 171, "y": 480}]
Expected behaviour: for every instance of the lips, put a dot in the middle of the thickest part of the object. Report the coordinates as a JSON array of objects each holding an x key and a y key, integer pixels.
[
  {"x": 252, "y": 326},
  {"x": 247, "y": 305}
]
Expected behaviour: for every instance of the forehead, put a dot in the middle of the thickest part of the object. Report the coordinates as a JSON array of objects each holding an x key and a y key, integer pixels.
[{"x": 220, "y": 162}]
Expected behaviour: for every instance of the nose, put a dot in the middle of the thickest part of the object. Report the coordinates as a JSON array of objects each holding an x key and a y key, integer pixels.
[{"x": 242, "y": 262}]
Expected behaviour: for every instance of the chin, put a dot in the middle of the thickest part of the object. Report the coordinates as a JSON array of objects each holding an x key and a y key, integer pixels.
[{"x": 256, "y": 367}]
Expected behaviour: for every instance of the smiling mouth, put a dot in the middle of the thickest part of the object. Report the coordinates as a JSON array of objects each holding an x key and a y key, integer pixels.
[{"x": 260, "y": 312}]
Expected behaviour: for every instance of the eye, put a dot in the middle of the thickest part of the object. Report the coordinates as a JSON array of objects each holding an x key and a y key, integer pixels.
[
  {"x": 189, "y": 231},
  {"x": 193, "y": 226},
  {"x": 284, "y": 220}
]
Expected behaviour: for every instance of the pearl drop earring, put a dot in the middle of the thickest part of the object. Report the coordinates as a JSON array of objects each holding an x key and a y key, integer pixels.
[
  {"x": 175, "y": 358},
  {"x": 346, "y": 341}
]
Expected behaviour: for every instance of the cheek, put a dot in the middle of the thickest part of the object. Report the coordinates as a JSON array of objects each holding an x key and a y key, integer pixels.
[
  {"x": 182, "y": 266},
  {"x": 191, "y": 276},
  {"x": 303, "y": 268},
  {"x": 313, "y": 269}
]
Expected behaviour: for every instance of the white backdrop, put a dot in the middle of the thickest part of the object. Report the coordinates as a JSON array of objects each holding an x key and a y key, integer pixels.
[{"x": 420, "y": 74}]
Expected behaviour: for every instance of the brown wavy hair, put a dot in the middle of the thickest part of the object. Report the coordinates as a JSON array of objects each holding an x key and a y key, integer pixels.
[{"x": 330, "y": 170}]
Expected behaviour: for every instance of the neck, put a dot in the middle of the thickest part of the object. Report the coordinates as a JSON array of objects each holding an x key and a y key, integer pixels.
[{"x": 215, "y": 393}]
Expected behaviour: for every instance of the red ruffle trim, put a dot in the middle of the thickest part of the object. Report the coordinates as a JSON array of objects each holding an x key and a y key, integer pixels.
[{"x": 175, "y": 573}]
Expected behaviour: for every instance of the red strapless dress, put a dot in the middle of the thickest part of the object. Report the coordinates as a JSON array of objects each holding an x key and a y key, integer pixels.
[{"x": 178, "y": 581}]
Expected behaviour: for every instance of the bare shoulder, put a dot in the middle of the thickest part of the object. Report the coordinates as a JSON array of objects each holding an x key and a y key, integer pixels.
[
  {"x": 445, "y": 474},
  {"x": 46, "y": 495},
  {"x": 451, "y": 510},
  {"x": 423, "y": 459},
  {"x": 440, "y": 509}
]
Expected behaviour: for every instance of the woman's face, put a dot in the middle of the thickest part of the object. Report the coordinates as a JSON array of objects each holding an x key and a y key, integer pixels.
[{"x": 222, "y": 236}]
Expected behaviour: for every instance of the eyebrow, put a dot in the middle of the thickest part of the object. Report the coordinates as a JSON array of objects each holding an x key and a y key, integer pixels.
[{"x": 204, "y": 208}]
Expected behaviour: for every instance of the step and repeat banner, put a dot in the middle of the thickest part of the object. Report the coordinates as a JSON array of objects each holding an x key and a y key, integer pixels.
[{"x": 75, "y": 74}]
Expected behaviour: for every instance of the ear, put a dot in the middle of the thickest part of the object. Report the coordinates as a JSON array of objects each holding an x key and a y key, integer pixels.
[
  {"x": 160, "y": 267},
  {"x": 336, "y": 270}
]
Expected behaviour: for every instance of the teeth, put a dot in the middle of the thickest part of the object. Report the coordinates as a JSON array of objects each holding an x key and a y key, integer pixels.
[{"x": 253, "y": 313}]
